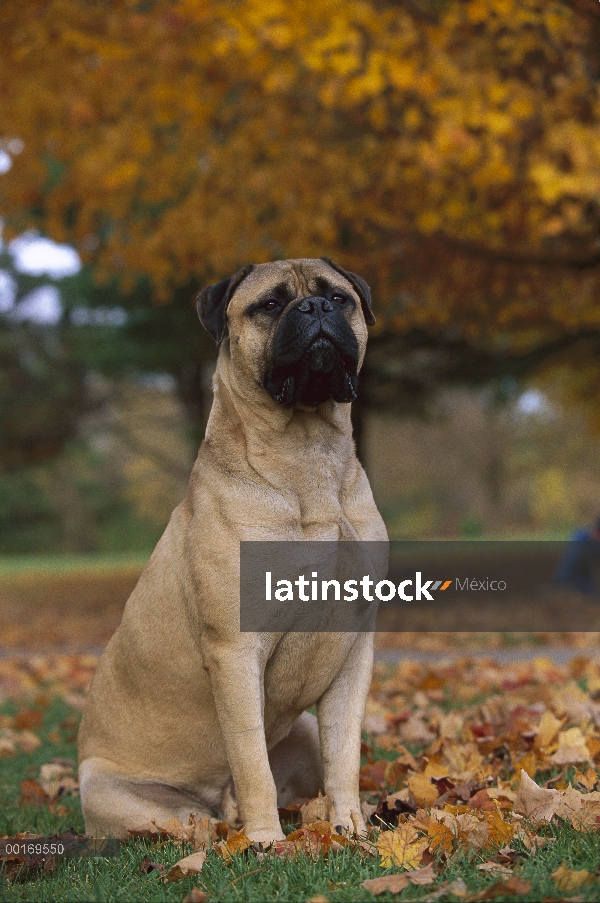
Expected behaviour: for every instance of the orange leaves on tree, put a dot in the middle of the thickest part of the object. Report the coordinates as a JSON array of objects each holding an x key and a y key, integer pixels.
[{"x": 173, "y": 142}]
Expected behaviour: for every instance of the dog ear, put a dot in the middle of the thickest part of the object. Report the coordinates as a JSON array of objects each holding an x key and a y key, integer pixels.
[
  {"x": 359, "y": 285},
  {"x": 212, "y": 301}
]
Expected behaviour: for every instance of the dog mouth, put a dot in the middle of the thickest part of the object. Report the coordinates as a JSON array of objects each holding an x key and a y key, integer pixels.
[{"x": 313, "y": 363}]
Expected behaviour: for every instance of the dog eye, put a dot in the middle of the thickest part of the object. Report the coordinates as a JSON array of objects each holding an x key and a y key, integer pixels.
[
  {"x": 341, "y": 299},
  {"x": 271, "y": 304}
]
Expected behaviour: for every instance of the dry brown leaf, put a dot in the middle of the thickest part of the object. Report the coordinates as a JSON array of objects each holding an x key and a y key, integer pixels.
[
  {"x": 570, "y": 880},
  {"x": 399, "y": 880},
  {"x": 456, "y": 888},
  {"x": 147, "y": 866},
  {"x": 513, "y": 886},
  {"x": 416, "y": 731},
  {"x": 189, "y": 865},
  {"x": 495, "y": 867},
  {"x": 392, "y": 883},
  {"x": 204, "y": 833},
  {"x": 319, "y": 809},
  {"x": 177, "y": 831},
  {"x": 7, "y": 747},
  {"x": 196, "y": 896},
  {"x": 422, "y": 876},
  {"x": 33, "y": 794},
  {"x": 481, "y": 800},
  {"x": 535, "y": 803}
]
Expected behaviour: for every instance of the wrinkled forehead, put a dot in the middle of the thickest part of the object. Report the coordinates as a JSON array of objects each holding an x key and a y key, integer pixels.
[{"x": 287, "y": 280}]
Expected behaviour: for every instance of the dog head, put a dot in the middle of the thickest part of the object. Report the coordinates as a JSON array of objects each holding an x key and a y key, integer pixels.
[{"x": 298, "y": 328}]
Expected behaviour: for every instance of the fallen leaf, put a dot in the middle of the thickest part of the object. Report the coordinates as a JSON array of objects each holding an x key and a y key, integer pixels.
[
  {"x": 7, "y": 747},
  {"x": 535, "y": 803},
  {"x": 399, "y": 880},
  {"x": 572, "y": 748},
  {"x": 422, "y": 876},
  {"x": 423, "y": 790},
  {"x": 481, "y": 800},
  {"x": 33, "y": 794},
  {"x": 236, "y": 842},
  {"x": 315, "y": 839},
  {"x": 402, "y": 847},
  {"x": 547, "y": 730},
  {"x": 416, "y": 731},
  {"x": 513, "y": 886},
  {"x": 319, "y": 809},
  {"x": 196, "y": 896},
  {"x": 189, "y": 865},
  {"x": 570, "y": 880},
  {"x": 147, "y": 866},
  {"x": 457, "y": 888},
  {"x": 495, "y": 867},
  {"x": 392, "y": 883}
]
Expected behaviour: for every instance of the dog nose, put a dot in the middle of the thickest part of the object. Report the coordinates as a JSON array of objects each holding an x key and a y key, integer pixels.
[{"x": 315, "y": 305}]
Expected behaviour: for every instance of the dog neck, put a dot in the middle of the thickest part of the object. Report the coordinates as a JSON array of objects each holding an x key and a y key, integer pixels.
[{"x": 248, "y": 409}]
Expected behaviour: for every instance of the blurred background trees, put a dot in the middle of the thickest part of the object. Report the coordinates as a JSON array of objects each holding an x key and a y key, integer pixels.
[{"x": 447, "y": 150}]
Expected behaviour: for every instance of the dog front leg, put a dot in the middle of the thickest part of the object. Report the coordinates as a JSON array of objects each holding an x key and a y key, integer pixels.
[
  {"x": 340, "y": 713},
  {"x": 238, "y": 690}
]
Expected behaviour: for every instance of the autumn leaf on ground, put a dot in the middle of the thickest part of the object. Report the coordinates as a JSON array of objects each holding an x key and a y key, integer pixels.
[
  {"x": 33, "y": 794},
  {"x": 189, "y": 865},
  {"x": 423, "y": 790},
  {"x": 572, "y": 748},
  {"x": 196, "y": 896},
  {"x": 147, "y": 866},
  {"x": 535, "y": 803},
  {"x": 441, "y": 837},
  {"x": 456, "y": 888},
  {"x": 236, "y": 842},
  {"x": 315, "y": 839},
  {"x": 319, "y": 809},
  {"x": 547, "y": 730},
  {"x": 568, "y": 880},
  {"x": 513, "y": 886},
  {"x": 398, "y": 881},
  {"x": 402, "y": 847}
]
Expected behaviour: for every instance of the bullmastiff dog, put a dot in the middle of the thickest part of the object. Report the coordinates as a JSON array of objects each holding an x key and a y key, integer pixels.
[{"x": 187, "y": 714}]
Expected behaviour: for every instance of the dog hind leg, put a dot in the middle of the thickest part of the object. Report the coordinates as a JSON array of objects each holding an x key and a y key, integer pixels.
[
  {"x": 296, "y": 762},
  {"x": 114, "y": 804}
]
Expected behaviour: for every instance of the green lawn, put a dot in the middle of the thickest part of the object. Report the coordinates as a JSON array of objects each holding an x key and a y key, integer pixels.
[{"x": 337, "y": 878}]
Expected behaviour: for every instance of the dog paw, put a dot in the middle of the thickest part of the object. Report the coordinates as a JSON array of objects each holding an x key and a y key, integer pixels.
[
  {"x": 349, "y": 820},
  {"x": 265, "y": 836}
]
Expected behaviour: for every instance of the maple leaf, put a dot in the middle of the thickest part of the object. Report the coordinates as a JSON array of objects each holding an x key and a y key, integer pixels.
[
  {"x": 423, "y": 790},
  {"x": 236, "y": 842},
  {"x": 402, "y": 847}
]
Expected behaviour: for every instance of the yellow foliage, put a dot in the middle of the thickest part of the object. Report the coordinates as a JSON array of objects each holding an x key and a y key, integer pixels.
[{"x": 181, "y": 129}]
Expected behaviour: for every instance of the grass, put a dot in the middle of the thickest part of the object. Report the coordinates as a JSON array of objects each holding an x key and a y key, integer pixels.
[
  {"x": 19, "y": 565},
  {"x": 337, "y": 878}
]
